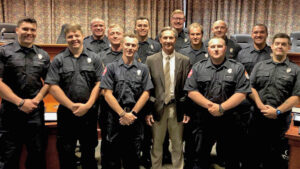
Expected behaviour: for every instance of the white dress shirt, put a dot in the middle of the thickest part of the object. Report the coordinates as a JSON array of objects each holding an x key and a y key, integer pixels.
[{"x": 172, "y": 69}]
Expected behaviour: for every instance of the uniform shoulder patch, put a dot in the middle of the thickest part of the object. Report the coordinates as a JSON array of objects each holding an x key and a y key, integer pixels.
[
  {"x": 190, "y": 73},
  {"x": 104, "y": 72}
]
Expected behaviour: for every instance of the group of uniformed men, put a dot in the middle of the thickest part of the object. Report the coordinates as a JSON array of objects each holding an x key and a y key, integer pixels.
[{"x": 197, "y": 92}]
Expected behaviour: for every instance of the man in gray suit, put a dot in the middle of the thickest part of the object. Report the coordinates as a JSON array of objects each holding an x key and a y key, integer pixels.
[{"x": 169, "y": 71}]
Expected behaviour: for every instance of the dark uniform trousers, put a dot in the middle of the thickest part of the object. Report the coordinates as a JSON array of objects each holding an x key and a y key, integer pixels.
[
  {"x": 206, "y": 134},
  {"x": 18, "y": 128},
  {"x": 268, "y": 147},
  {"x": 72, "y": 128},
  {"x": 120, "y": 142}
]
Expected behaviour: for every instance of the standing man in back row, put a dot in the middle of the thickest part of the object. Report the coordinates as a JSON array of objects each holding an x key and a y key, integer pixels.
[
  {"x": 177, "y": 22},
  {"x": 147, "y": 46},
  {"x": 97, "y": 42},
  {"x": 249, "y": 56},
  {"x": 219, "y": 29},
  {"x": 196, "y": 50},
  {"x": 22, "y": 68}
]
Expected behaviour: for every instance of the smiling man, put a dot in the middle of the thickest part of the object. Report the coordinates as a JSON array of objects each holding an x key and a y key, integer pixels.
[
  {"x": 97, "y": 42},
  {"x": 276, "y": 89},
  {"x": 217, "y": 85},
  {"x": 147, "y": 46},
  {"x": 22, "y": 68},
  {"x": 169, "y": 70},
  {"x": 115, "y": 36},
  {"x": 196, "y": 51},
  {"x": 125, "y": 84},
  {"x": 177, "y": 21},
  {"x": 74, "y": 79},
  {"x": 249, "y": 56}
]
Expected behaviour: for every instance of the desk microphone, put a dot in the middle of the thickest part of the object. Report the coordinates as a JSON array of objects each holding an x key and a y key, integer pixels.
[{"x": 2, "y": 35}]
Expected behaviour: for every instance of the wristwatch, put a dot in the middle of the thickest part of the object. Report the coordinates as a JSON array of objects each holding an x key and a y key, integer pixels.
[
  {"x": 21, "y": 104},
  {"x": 134, "y": 113},
  {"x": 221, "y": 110},
  {"x": 278, "y": 112}
]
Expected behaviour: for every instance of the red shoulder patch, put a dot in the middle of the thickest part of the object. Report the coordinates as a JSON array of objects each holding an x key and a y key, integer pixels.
[
  {"x": 190, "y": 73},
  {"x": 104, "y": 72}
]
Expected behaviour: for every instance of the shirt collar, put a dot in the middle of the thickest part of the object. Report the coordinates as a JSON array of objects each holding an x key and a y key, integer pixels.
[
  {"x": 17, "y": 47},
  {"x": 145, "y": 42},
  {"x": 121, "y": 62},
  {"x": 67, "y": 53},
  {"x": 224, "y": 64},
  {"x": 95, "y": 40},
  {"x": 165, "y": 55},
  {"x": 201, "y": 50},
  {"x": 252, "y": 49},
  {"x": 286, "y": 61}
]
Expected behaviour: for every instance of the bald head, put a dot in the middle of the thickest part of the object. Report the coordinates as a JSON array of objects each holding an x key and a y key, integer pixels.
[{"x": 219, "y": 29}]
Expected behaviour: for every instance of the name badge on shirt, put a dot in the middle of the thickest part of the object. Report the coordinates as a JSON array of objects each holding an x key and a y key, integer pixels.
[
  {"x": 288, "y": 70},
  {"x": 151, "y": 46},
  {"x": 231, "y": 50},
  {"x": 206, "y": 55},
  {"x": 89, "y": 60},
  {"x": 229, "y": 70},
  {"x": 138, "y": 72},
  {"x": 185, "y": 40},
  {"x": 40, "y": 56}
]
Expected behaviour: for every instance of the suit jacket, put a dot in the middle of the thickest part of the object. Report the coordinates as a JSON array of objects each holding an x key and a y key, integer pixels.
[{"x": 182, "y": 68}]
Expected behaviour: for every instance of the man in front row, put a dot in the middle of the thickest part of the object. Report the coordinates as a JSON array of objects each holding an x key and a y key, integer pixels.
[
  {"x": 169, "y": 70},
  {"x": 22, "y": 68},
  {"x": 217, "y": 85},
  {"x": 126, "y": 84},
  {"x": 74, "y": 78},
  {"x": 275, "y": 89}
]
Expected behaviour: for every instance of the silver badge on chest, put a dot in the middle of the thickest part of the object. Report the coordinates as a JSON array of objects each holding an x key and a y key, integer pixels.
[
  {"x": 229, "y": 70},
  {"x": 151, "y": 46},
  {"x": 40, "y": 56},
  {"x": 288, "y": 70},
  {"x": 231, "y": 50},
  {"x": 138, "y": 72},
  {"x": 89, "y": 60},
  {"x": 206, "y": 55}
]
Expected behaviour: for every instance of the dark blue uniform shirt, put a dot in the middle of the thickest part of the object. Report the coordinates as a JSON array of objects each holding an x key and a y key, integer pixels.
[
  {"x": 75, "y": 76},
  {"x": 194, "y": 55},
  {"x": 147, "y": 48},
  {"x": 22, "y": 68},
  {"x": 96, "y": 46},
  {"x": 128, "y": 82},
  {"x": 218, "y": 84},
  {"x": 249, "y": 56},
  {"x": 276, "y": 82},
  {"x": 110, "y": 56}
]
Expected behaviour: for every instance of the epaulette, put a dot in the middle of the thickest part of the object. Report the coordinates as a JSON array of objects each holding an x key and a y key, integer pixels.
[
  {"x": 86, "y": 37},
  {"x": 7, "y": 44}
]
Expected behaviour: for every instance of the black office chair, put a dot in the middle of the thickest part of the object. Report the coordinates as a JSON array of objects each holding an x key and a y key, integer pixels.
[
  {"x": 295, "y": 37},
  {"x": 243, "y": 40},
  {"x": 62, "y": 37},
  {"x": 7, "y": 32}
]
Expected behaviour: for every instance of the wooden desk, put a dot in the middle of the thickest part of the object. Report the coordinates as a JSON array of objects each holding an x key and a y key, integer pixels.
[
  {"x": 292, "y": 133},
  {"x": 295, "y": 57},
  {"x": 294, "y": 142}
]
